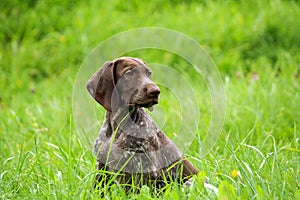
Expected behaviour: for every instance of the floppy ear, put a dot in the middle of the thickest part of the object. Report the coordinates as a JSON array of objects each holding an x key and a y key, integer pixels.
[{"x": 101, "y": 85}]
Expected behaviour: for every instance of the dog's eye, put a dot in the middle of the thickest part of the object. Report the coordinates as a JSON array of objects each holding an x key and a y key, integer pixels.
[
  {"x": 129, "y": 73},
  {"x": 149, "y": 73}
]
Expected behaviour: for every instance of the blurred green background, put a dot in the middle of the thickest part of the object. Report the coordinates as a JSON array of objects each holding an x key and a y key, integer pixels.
[{"x": 255, "y": 45}]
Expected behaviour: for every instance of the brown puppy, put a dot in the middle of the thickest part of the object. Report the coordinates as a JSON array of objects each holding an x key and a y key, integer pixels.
[{"x": 129, "y": 141}]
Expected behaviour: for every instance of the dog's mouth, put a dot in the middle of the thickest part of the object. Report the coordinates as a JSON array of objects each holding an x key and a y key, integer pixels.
[{"x": 148, "y": 103}]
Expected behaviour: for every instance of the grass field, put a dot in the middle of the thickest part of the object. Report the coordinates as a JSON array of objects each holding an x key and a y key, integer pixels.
[{"x": 255, "y": 45}]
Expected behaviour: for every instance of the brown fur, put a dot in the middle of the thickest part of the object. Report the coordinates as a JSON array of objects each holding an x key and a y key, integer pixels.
[{"x": 129, "y": 141}]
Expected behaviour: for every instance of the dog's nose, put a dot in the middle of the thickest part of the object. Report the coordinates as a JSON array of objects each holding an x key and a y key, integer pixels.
[{"x": 153, "y": 90}]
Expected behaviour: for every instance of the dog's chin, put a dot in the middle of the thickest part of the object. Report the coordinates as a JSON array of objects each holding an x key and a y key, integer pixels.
[{"x": 148, "y": 104}]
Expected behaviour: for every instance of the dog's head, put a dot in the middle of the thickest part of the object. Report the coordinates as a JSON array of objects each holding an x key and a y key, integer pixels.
[{"x": 124, "y": 81}]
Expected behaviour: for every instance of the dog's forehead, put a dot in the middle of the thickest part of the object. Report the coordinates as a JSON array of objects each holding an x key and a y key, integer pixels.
[
  {"x": 138, "y": 61},
  {"x": 131, "y": 60},
  {"x": 130, "y": 63}
]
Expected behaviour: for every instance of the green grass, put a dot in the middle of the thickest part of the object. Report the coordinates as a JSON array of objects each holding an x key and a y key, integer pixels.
[{"x": 43, "y": 43}]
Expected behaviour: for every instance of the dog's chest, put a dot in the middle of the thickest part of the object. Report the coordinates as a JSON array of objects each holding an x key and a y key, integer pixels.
[
  {"x": 140, "y": 135},
  {"x": 135, "y": 145}
]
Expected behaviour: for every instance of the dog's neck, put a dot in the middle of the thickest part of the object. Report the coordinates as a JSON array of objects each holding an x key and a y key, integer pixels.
[{"x": 123, "y": 113}]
